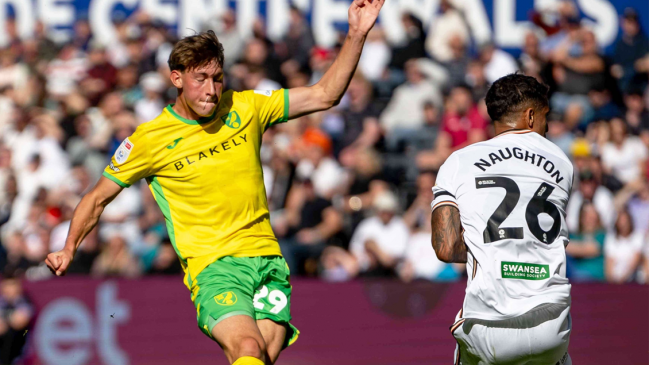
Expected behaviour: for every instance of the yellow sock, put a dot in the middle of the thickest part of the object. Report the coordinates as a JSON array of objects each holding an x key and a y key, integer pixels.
[{"x": 248, "y": 360}]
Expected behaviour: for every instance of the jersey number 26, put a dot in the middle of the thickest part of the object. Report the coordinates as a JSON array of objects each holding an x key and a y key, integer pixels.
[{"x": 537, "y": 205}]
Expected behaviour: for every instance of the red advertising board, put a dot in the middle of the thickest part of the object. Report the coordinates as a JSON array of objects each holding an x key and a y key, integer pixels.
[{"x": 152, "y": 321}]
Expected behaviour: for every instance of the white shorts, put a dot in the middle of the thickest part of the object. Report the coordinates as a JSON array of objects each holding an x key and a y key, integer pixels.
[{"x": 539, "y": 337}]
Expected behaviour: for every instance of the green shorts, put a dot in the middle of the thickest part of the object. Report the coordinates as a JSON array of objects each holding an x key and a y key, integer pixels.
[{"x": 253, "y": 286}]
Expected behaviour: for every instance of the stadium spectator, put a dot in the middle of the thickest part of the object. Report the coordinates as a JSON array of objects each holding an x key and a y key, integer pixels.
[
  {"x": 101, "y": 76},
  {"x": 257, "y": 53},
  {"x": 307, "y": 224},
  {"x": 228, "y": 36},
  {"x": 63, "y": 72},
  {"x": 589, "y": 191},
  {"x": 361, "y": 128},
  {"x": 635, "y": 198},
  {"x": 531, "y": 61},
  {"x": 299, "y": 38},
  {"x": 443, "y": 29},
  {"x": 584, "y": 254},
  {"x": 115, "y": 259},
  {"x": 151, "y": 104},
  {"x": 560, "y": 135},
  {"x": 623, "y": 250},
  {"x": 404, "y": 114},
  {"x": 567, "y": 22},
  {"x": 16, "y": 314},
  {"x": 624, "y": 156},
  {"x": 637, "y": 115},
  {"x": 576, "y": 73},
  {"x": 366, "y": 180},
  {"x": 420, "y": 263},
  {"x": 631, "y": 46},
  {"x": 376, "y": 247},
  {"x": 417, "y": 217},
  {"x": 497, "y": 63},
  {"x": 45, "y": 47},
  {"x": 317, "y": 164},
  {"x": 413, "y": 47},
  {"x": 376, "y": 55},
  {"x": 165, "y": 261},
  {"x": 603, "y": 106},
  {"x": 462, "y": 125},
  {"x": 459, "y": 61}
]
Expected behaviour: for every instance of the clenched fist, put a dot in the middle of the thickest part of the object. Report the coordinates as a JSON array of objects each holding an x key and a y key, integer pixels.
[{"x": 59, "y": 261}]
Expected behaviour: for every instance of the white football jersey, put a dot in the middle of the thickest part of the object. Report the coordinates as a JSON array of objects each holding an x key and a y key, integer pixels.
[{"x": 512, "y": 192}]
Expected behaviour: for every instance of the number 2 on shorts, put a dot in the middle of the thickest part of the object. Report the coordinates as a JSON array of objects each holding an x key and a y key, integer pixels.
[{"x": 275, "y": 297}]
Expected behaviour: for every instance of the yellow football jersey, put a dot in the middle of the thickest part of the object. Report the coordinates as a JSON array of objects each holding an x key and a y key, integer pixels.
[{"x": 206, "y": 176}]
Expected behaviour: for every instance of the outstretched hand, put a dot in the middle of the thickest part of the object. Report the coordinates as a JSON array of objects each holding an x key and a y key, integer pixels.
[{"x": 363, "y": 14}]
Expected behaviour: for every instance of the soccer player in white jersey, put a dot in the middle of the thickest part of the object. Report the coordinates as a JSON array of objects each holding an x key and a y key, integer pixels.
[{"x": 500, "y": 206}]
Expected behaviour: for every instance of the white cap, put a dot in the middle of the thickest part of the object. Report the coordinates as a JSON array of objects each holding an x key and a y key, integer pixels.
[
  {"x": 152, "y": 81},
  {"x": 386, "y": 202}
]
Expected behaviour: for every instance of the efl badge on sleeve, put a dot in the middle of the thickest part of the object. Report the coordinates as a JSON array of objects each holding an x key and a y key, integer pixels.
[{"x": 123, "y": 151}]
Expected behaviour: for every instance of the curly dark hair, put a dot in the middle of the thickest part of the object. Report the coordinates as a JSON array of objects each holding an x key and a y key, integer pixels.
[
  {"x": 514, "y": 93},
  {"x": 196, "y": 51}
]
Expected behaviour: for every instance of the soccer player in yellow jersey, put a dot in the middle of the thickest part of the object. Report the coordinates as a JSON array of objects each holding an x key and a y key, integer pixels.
[{"x": 201, "y": 160}]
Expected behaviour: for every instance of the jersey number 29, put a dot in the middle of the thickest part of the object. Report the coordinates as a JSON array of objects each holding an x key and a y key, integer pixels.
[{"x": 537, "y": 205}]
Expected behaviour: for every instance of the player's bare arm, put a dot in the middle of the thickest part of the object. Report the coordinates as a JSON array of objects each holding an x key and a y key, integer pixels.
[
  {"x": 446, "y": 235},
  {"x": 85, "y": 218},
  {"x": 330, "y": 89}
]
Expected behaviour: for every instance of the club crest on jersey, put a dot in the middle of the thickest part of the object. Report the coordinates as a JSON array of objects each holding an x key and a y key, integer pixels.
[
  {"x": 232, "y": 120},
  {"x": 123, "y": 151},
  {"x": 227, "y": 298}
]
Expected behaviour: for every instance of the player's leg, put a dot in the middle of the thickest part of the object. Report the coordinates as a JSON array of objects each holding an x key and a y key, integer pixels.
[
  {"x": 241, "y": 340},
  {"x": 223, "y": 296},
  {"x": 274, "y": 335},
  {"x": 272, "y": 302},
  {"x": 535, "y": 338},
  {"x": 549, "y": 340}
]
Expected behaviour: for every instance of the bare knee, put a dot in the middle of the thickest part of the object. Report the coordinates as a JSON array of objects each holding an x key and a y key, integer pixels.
[{"x": 247, "y": 346}]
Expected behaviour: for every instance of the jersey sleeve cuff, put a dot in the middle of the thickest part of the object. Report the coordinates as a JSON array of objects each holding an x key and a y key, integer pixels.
[
  {"x": 115, "y": 180},
  {"x": 442, "y": 197},
  {"x": 284, "y": 117}
]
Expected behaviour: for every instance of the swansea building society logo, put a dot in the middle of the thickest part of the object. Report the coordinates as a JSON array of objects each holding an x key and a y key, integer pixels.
[
  {"x": 232, "y": 120},
  {"x": 227, "y": 298}
]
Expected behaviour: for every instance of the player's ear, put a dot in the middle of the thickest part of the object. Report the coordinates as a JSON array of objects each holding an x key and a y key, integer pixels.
[
  {"x": 529, "y": 116},
  {"x": 176, "y": 79}
]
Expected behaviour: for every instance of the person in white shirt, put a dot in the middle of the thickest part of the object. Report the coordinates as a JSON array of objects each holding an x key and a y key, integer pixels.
[
  {"x": 624, "y": 155},
  {"x": 420, "y": 261},
  {"x": 148, "y": 108},
  {"x": 497, "y": 63},
  {"x": 500, "y": 206},
  {"x": 377, "y": 245},
  {"x": 623, "y": 250},
  {"x": 376, "y": 55},
  {"x": 590, "y": 191},
  {"x": 451, "y": 23}
]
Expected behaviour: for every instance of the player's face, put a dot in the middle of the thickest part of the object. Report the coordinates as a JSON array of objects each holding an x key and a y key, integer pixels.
[{"x": 202, "y": 88}]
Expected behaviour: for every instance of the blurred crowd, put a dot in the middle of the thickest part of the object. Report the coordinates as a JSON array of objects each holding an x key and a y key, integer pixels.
[{"x": 349, "y": 189}]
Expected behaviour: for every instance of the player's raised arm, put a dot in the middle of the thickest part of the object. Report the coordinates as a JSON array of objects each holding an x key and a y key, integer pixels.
[
  {"x": 447, "y": 234},
  {"x": 330, "y": 89},
  {"x": 85, "y": 218}
]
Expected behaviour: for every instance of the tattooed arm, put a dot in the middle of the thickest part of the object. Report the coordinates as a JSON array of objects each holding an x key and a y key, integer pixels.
[{"x": 447, "y": 234}]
